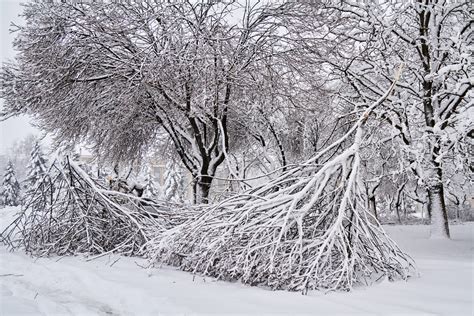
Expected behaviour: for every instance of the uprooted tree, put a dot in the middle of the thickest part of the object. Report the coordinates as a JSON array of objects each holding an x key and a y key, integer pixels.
[{"x": 307, "y": 229}]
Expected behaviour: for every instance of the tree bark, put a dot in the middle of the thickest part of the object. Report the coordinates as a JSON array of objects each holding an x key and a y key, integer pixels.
[
  {"x": 436, "y": 201},
  {"x": 202, "y": 188},
  {"x": 439, "y": 218}
]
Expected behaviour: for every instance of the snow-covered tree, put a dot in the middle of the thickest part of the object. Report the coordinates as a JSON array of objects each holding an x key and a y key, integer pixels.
[
  {"x": 10, "y": 194},
  {"x": 174, "y": 182},
  {"x": 152, "y": 188},
  {"x": 146, "y": 68},
  {"x": 36, "y": 169},
  {"x": 19, "y": 155},
  {"x": 428, "y": 113}
]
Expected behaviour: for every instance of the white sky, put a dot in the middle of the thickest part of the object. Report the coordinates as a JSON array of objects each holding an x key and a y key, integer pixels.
[{"x": 16, "y": 128}]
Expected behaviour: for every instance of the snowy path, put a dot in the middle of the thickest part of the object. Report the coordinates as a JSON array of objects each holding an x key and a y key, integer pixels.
[{"x": 72, "y": 286}]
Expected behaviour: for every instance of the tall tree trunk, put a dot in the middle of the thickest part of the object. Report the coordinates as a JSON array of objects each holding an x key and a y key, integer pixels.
[
  {"x": 439, "y": 218},
  {"x": 398, "y": 201},
  {"x": 435, "y": 188},
  {"x": 436, "y": 204}
]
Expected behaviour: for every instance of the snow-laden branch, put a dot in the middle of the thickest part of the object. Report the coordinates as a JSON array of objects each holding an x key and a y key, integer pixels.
[
  {"x": 308, "y": 229},
  {"x": 70, "y": 213}
]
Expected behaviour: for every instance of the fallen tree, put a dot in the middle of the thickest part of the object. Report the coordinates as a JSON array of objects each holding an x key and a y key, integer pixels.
[
  {"x": 70, "y": 213},
  {"x": 307, "y": 229}
]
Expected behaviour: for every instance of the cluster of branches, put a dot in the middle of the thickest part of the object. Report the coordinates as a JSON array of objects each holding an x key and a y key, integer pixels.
[
  {"x": 307, "y": 229},
  {"x": 69, "y": 213}
]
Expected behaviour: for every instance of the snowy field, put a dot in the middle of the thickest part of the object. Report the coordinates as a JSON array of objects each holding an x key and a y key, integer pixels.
[{"x": 116, "y": 285}]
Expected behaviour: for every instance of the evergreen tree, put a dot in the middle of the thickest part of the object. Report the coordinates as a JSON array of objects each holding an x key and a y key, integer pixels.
[
  {"x": 36, "y": 169},
  {"x": 152, "y": 189},
  {"x": 10, "y": 195},
  {"x": 174, "y": 183}
]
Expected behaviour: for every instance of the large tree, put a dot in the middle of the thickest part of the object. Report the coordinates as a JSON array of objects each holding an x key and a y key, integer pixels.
[
  {"x": 116, "y": 75},
  {"x": 428, "y": 116}
]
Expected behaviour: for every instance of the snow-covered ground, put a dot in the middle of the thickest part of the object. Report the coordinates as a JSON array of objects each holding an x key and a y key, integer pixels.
[{"x": 74, "y": 286}]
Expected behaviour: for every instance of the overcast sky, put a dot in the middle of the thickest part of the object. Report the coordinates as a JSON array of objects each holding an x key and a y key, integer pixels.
[{"x": 12, "y": 129}]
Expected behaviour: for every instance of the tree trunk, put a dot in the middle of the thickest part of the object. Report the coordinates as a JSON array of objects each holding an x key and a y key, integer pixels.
[
  {"x": 371, "y": 203},
  {"x": 397, "y": 210},
  {"x": 202, "y": 187},
  {"x": 398, "y": 201},
  {"x": 456, "y": 201},
  {"x": 194, "y": 192},
  {"x": 373, "y": 206},
  {"x": 437, "y": 209},
  {"x": 436, "y": 204}
]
